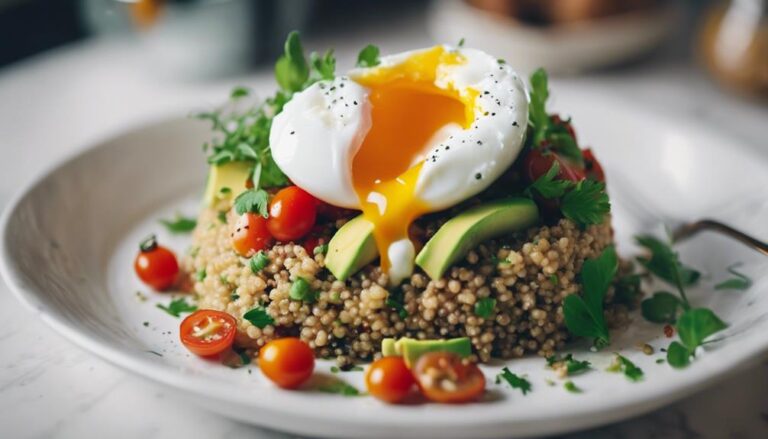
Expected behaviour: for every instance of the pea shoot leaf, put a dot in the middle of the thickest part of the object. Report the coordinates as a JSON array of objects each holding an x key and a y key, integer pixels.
[
  {"x": 584, "y": 314},
  {"x": 678, "y": 356},
  {"x": 291, "y": 69},
  {"x": 661, "y": 308},
  {"x": 664, "y": 263},
  {"x": 324, "y": 67},
  {"x": 738, "y": 282},
  {"x": 368, "y": 57},
  {"x": 693, "y": 327}
]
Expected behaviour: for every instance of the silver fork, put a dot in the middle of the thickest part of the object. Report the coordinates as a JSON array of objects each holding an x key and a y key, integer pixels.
[{"x": 633, "y": 201}]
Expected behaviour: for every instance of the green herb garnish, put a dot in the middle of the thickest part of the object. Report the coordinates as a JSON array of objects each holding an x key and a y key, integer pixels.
[
  {"x": 584, "y": 315},
  {"x": 547, "y": 186},
  {"x": 572, "y": 365},
  {"x": 484, "y": 307},
  {"x": 179, "y": 224},
  {"x": 661, "y": 308},
  {"x": 259, "y": 317},
  {"x": 338, "y": 387},
  {"x": 396, "y": 301},
  {"x": 630, "y": 370},
  {"x": 738, "y": 282},
  {"x": 177, "y": 307},
  {"x": 301, "y": 290},
  {"x": 693, "y": 327},
  {"x": 664, "y": 263},
  {"x": 258, "y": 262},
  {"x": 587, "y": 203},
  {"x": 252, "y": 200},
  {"x": 201, "y": 274},
  {"x": 368, "y": 57},
  {"x": 516, "y": 382},
  {"x": 571, "y": 387}
]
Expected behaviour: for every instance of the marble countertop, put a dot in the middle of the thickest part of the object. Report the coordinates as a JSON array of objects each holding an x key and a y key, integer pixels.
[{"x": 60, "y": 101}]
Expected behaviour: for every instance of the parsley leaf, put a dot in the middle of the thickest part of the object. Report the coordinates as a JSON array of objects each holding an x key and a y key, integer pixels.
[
  {"x": 252, "y": 200},
  {"x": 258, "y": 262},
  {"x": 484, "y": 307},
  {"x": 516, "y": 382},
  {"x": 566, "y": 145},
  {"x": 179, "y": 224},
  {"x": 537, "y": 110},
  {"x": 177, "y": 307},
  {"x": 324, "y": 66},
  {"x": 547, "y": 186},
  {"x": 693, "y": 327},
  {"x": 630, "y": 370},
  {"x": 661, "y": 308},
  {"x": 301, "y": 290},
  {"x": 739, "y": 282},
  {"x": 259, "y": 317},
  {"x": 587, "y": 203},
  {"x": 572, "y": 365},
  {"x": 584, "y": 315},
  {"x": 368, "y": 57}
]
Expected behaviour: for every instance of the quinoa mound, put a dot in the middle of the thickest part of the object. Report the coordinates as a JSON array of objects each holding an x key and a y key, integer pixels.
[{"x": 528, "y": 274}]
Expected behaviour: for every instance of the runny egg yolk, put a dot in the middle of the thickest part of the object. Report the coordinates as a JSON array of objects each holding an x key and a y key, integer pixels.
[{"x": 408, "y": 109}]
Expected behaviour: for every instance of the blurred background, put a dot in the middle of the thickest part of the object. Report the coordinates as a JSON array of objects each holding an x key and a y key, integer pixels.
[{"x": 208, "y": 39}]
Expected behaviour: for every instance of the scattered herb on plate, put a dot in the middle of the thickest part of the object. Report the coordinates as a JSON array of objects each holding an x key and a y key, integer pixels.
[
  {"x": 626, "y": 366},
  {"x": 515, "y": 381},
  {"x": 179, "y": 224},
  {"x": 338, "y": 387},
  {"x": 177, "y": 306},
  {"x": 739, "y": 281},
  {"x": 568, "y": 365},
  {"x": 571, "y": 387},
  {"x": 693, "y": 327}
]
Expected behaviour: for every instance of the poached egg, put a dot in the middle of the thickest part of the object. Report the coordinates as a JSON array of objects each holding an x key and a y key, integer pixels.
[{"x": 418, "y": 133}]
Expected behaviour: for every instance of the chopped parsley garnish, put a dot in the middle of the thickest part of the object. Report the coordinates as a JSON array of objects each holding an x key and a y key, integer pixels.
[
  {"x": 252, "y": 200},
  {"x": 461, "y": 43},
  {"x": 484, "y": 307},
  {"x": 320, "y": 249},
  {"x": 584, "y": 314},
  {"x": 368, "y": 57},
  {"x": 693, "y": 327},
  {"x": 624, "y": 365},
  {"x": 587, "y": 203},
  {"x": 572, "y": 365},
  {"x": 515, "y": 381},
  {"x": 301, "y": 290},
  {"x": 738, "y": 282},
  {"x": 571, "y": 387},
  {"x": 201, "y": 274},
  {"x": 258, "y": 262},
  {"x": 259, "y": 317},
  {"x": 177, "y": 307},
  {"x": 338, "y": 387},
  {"x": 547, "y": 186},
  {"x": 396, "y": 301},
  {"x": 179, "y": 224}
]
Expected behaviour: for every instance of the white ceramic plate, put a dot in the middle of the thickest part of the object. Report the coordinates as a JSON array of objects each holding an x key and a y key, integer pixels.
[{"x": 68, "y": 242}]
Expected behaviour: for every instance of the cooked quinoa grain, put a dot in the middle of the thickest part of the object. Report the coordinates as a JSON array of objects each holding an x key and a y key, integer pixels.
[{"x": 528, "y": 275}]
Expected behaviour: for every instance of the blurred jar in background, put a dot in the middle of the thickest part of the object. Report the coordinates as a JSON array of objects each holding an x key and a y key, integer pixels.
[{"x": 733, "y": 44}]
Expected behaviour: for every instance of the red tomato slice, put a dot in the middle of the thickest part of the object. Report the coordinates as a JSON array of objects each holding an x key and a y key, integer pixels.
[
  {"x": 208, "y": 332},
  {"x": 445, "y": 377}
]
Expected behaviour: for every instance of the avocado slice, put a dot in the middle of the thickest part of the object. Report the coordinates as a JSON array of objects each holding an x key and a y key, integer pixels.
[
  {"x": 230, "y": 175},
  {"x": 411, "y": 349},
  {"x": 468, "y": 229},
  {"x": 351, "y": 248}
]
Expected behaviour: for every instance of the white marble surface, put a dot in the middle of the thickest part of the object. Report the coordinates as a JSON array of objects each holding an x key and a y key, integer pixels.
[{"x": 57, "y": 102}]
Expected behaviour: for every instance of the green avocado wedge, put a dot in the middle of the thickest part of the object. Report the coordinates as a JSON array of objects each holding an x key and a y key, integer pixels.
[
  {"x": 351, "y": 248},
  {"x": 226, "y": 181},
  {"x": 468, "y": 229},
  {"x": 411, "y": 349}
]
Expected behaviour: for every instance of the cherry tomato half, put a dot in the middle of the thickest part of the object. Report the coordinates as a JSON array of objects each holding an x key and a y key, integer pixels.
[
  {"x": 288, "y": 362},
  {"x": 155, "y": 265},
  {"x": 292, "y": 214},
  {"x": 594, "y": 170},
  {"x": 389, "y": 379},
  {"x": 537, "y": 163},
  {"x": 251, "y": 234},
  {"x": 444, "y": 377},
  {"x": 207, "y": 332}
]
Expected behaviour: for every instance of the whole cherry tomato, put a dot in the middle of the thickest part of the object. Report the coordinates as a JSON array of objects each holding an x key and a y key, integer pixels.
[
  {"x": 207, "y": 332},
  {"x": 250, "y": 234},
  {"x": 155, "y": 265},
  {"x": 593, "y": 168},
  {"x": 288, "y": 362},
  {"x": 292, "y": 214},
  {"x": 389, "y": 379},
  {"x": 445, "y": 377}
]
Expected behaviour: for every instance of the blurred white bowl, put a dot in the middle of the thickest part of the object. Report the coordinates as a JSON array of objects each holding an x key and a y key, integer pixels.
[{"x": 564, "y": 48}]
